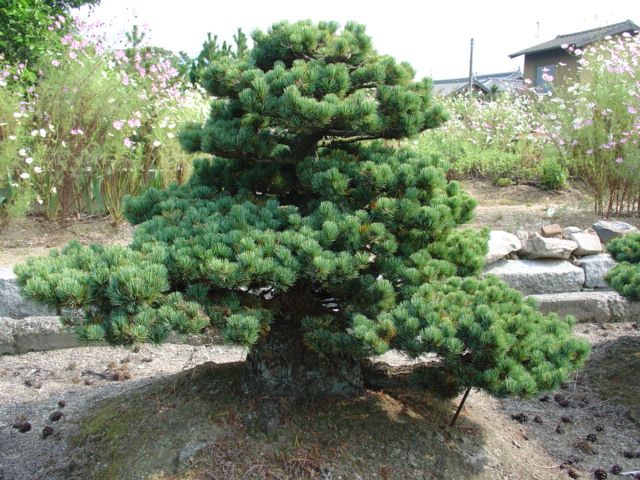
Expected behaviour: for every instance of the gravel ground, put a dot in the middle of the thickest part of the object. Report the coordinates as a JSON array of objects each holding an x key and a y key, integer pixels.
[
  {"x": 580, "y": 425},
  {"x": 34, "y": 386}
]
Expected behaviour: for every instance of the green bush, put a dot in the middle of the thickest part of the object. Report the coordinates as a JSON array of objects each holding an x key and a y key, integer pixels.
[
  {"x": 553, "y": 176},
  {"x": 304, "y": 234},
  {"x": 625, "y": 276}
]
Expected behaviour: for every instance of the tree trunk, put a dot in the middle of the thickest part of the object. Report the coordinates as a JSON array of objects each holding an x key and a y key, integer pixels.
[{"x": 280, "y": 365}]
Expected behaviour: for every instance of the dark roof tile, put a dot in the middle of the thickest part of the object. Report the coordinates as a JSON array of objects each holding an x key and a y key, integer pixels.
[{"x": 581, "y": 39}]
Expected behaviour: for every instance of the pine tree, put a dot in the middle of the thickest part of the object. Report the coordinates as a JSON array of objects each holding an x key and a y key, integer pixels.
[{"x": 312, "y": 237}]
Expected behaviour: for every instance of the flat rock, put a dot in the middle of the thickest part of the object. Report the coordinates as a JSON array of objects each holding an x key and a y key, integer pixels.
[
  {"x": 588, "y": 306},
  {"x": 538, "y": 276},
  {"x": 588, "y": 242},
  {"x": 12, "y": 303},
  {"x": 32, "y": 334},
  {"x": 537, "y": 246},
  {"x": 595, "y": 269},
  {"x": 501, "y": 244},
  {"x": 607, "y": 230}
]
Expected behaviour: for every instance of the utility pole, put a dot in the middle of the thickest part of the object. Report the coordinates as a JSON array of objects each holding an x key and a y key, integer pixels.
[{"x": 471, "y": 69}]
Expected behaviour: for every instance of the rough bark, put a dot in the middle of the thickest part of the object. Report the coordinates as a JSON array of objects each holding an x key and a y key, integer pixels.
[{"x": 280, "y": 365}]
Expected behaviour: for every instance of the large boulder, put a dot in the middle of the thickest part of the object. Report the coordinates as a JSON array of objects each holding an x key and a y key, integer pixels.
[
  {"x": 12, "y": 304},
  {"x": 538, "y": 276},
  {"x": 595, "y": 269},
  {"x": 588, "y": 242},
  {"x": 607, "y": 230},
  {"x": 501, "y": 244},
  {"x": 601, "y": 306},
  {"x": 537, "y": 246}
]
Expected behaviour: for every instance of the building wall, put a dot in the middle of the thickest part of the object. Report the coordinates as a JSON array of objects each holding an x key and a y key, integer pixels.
[{"x": 551, "y": 57}]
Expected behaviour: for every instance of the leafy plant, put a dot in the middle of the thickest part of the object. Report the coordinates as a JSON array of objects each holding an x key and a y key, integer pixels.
[
  {"x": 625, "y": 276},
  {"x": 311, "y": 241},
  {"x": 553, "y": 176}
]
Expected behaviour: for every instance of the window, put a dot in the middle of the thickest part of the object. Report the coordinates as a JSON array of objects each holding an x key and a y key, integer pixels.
[{"x": 544, "y": 75}]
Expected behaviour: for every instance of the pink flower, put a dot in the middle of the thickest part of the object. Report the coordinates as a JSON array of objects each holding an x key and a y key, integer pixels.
[
  {"x": 631, "y": 110},
  {"x": 55, "y": 63},
  {"x": 133, "y": 122},
  {"x": 77, "y": 131},
  {"x": 73, "y": 55},
  {"x": 125, "y": 79},
  {"x": 128, "y": 143},
  {"x": 118, "y": 124},
  {"x": 619, "y": 160}
]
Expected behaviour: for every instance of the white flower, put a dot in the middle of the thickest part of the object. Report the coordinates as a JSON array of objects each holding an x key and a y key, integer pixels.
[
  {"x": 37, "y": 169},
  {"x": 170, "y": 135},
  {"x": 34, "y": 133},
  {"x": 63, "y": 143},
  {"x": 24, "y": 175},
  {"x": 39, "y": 200},
  {"x": 29, "y": 160},
  {"x": 52, "y": 128},
  {"x": 157, "y": 143},
  {"x": 54, "y": 190},
  {"x": 12, "y": 137},
  {"x": 42, "y": 132},
  {"x": 17, "y": 115},
  {"x": 22, "y": 152}
]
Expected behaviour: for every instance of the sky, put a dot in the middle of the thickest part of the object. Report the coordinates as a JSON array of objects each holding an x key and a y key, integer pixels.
[{"x": 434, "y": 37}]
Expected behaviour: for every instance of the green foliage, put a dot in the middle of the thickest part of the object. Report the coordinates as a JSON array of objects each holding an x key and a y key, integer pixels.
[
  {"x": 121, "y": 291},
  {"x": 553, "y": 176},
  {"x": 625, "y": 276},
  {"x": 307, "y": 213},
  {"x": 26, "y": 32},
  {"x": 487, "y": 337}
]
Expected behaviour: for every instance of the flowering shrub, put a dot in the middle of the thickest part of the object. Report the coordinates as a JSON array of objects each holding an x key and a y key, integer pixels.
[
  {"x": 588, "y": 128},
  {"x": 598, "y": 120},
  {"x": 98, "y": 125},
  {"x": 499, "y": 138}
]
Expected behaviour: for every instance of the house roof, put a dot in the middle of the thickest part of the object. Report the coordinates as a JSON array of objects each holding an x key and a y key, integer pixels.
[
  {"x": 503, "y": 81},
  {"x": 580, "y": 39}
]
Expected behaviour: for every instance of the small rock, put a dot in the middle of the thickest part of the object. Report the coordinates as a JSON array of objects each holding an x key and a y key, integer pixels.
[
  {"x": 592, "y": 438},
  {"x": 545, "y": 398},
  {"x": 616, "y": 469},
  {"x": 88, "y": 381},
  {"x": 607, "y": 231},
  {"x": 553, "y": 230},
  {"x": 55, "y": 416},
  {"x": 559, "y": 429},
  {"x": 600, "y": 474},
  {"x": 62, "y": 403},
  {"x": 538, "y": 419},
  {"x": 47, "y": 431},
  {"x": 566, "y": 419},
  {"x": 22, "y": 427},
  {"x": 146, "y": 359},
  {"x": 33, "y": 382},
  {"x": 599, "y": 428},
  {"x": 520, "y": 417},
  {"x": 573, "y": 473}
]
